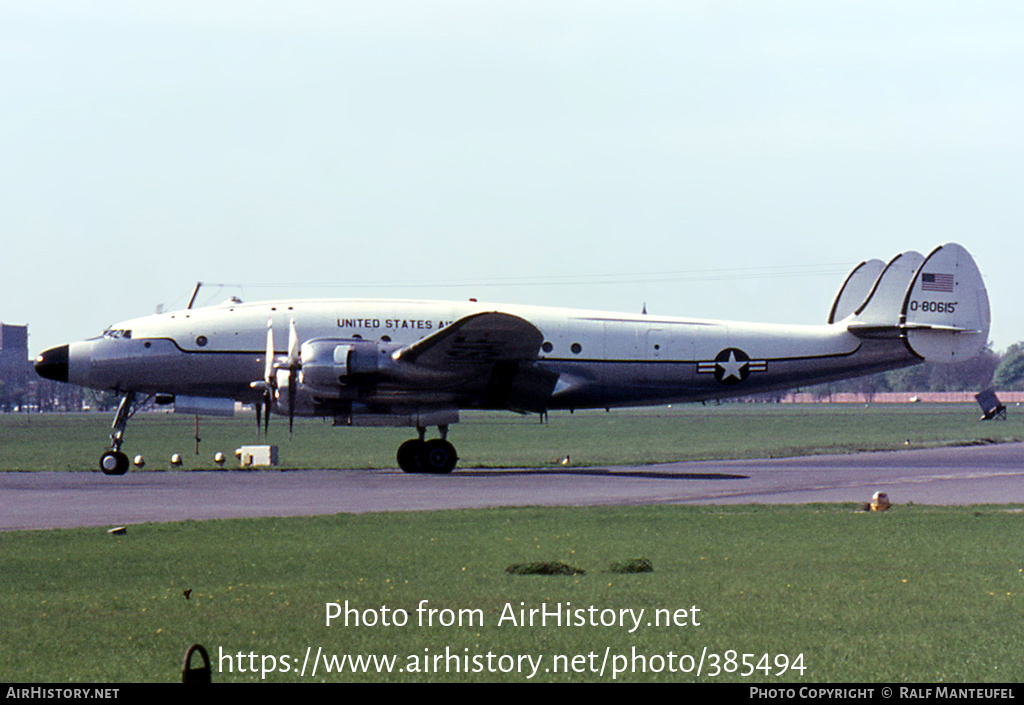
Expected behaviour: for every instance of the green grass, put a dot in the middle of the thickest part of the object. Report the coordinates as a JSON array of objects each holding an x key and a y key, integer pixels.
[
  {"x": 916, "y": 594},
  {"x": 689, "y": 432}
]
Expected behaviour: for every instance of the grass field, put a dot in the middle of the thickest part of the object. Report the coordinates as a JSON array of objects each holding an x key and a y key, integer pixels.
[
  {"x": 688, "y": 432},
  {"x": 916, "y": 594}
]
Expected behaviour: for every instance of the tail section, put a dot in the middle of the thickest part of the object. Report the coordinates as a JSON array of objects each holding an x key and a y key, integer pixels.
[
  {"x": 946, "y": 313},
  {"x": 879, "y": 315},
  {"x": 937, "y": 304},
  {"x": 855, "y": 289}
]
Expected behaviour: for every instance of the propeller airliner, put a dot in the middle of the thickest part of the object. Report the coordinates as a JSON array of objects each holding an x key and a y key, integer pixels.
[{"x": 412, "y": 363}]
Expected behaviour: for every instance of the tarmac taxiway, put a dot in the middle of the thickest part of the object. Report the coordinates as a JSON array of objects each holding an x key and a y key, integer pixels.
[{"x": 986, "y": 474}]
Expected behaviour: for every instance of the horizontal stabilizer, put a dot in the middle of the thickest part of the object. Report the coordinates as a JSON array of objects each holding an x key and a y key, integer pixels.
[{"x": 855, "y": 289}]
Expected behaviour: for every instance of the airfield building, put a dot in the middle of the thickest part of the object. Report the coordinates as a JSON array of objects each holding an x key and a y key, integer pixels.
[{"x": 14, "y": 365}]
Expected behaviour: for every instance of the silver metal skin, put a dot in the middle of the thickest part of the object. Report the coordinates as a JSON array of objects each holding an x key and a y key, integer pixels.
[{"x": 417, "y": 363}]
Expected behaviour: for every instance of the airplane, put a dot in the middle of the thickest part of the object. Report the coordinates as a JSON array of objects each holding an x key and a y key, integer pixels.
[{"x": 417, "y": 363}]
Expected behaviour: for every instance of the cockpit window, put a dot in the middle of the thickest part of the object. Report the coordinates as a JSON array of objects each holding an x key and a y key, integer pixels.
[{"x": 115, "y": 333}]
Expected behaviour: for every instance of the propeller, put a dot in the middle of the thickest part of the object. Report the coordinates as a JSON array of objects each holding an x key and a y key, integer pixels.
[
  {"x": 293, "y": 363},
  {"x": 268, "y": 380},
  {"x": 267, "y": 385}
]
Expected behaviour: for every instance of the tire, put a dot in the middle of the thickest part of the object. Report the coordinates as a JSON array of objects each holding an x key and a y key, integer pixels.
[
  {"x": 409, "y": 455},
  {"x": 114, "y": 462},
  {"x": 438, "y": 457}
]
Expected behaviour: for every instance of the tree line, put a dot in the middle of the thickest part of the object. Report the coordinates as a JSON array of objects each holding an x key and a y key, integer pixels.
[{"x": 1004, "y": 372}]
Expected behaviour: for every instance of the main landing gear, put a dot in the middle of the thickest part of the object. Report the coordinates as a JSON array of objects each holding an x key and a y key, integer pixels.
[
  {"x": 417, "y": 455},
  {"x": 436, "y": 456},
  {"x": 113, "y": 461}
]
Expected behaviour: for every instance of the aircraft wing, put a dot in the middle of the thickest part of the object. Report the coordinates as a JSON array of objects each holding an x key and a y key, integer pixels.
[
  {"x": 477, "y": 339},
  {"x": 493, "y": 354}
]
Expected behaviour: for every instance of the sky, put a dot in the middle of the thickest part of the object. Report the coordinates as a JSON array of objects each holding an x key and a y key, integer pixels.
[{"x": 716, "y": 159}]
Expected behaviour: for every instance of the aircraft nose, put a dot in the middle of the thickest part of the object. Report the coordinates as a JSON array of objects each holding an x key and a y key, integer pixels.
[{"x": 53, "y": 364}]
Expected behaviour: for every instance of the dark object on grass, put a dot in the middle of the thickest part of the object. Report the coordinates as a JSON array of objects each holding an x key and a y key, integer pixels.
[
  {"x": 637, "y": 565},
  {"x": 199, "y": 674},
  {"x": 990, "y": 405},
  {"x": 543, "y": 568}
]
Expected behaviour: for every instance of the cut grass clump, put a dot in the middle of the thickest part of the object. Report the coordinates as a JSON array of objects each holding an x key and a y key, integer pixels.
[
  {"x": 544, "y": 568},
  {"x": 637, "y": 565}
]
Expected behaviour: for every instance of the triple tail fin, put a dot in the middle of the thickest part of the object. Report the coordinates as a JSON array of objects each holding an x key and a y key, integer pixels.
[
  {"x": 946, "y": 312},
  {"x": 937, "y": 304},
  {"x": 878, "y": 316},
  {"x": 855, "y": 289}
]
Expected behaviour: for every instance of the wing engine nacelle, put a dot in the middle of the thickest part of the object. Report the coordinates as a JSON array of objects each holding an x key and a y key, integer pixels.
[{"x": 328, "y": 364}]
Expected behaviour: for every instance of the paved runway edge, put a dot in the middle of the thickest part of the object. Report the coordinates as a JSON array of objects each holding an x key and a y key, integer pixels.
[{"x": 987, "y": 474}]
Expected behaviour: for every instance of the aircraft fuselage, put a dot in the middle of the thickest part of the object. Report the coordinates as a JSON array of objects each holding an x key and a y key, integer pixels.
[{"x": 601, "y": 359}]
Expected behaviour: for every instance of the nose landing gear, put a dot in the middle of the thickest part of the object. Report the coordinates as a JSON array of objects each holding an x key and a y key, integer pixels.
[{"x": 113, "y": 461}]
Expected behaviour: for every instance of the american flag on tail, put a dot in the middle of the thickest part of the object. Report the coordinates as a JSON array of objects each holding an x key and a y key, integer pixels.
[{"x": 937, "y": 282}]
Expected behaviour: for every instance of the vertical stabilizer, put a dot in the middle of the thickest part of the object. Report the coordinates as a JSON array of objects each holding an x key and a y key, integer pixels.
[
  {"x": 946, "y": 313},
  {"x": 879, "y": 314},
  {"x": 855, "y": 289}
]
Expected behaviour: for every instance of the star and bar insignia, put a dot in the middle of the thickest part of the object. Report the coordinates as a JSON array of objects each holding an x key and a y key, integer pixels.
[{"x": 731, "y": 366}]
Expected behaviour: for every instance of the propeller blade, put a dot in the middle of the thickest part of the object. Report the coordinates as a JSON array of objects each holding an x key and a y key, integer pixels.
[
  {"x": 294, "y": 363},
  {"x": 291, "y": 400},
  {"x": 268, "y": 365},
  {"x": 268, "y": 377},
  {"x": 293, "y": 346}
]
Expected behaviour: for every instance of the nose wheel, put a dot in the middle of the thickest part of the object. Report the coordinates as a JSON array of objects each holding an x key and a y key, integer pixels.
[
  {"x": 113, "y": 461},
  {"x": 436, "y": 456}
]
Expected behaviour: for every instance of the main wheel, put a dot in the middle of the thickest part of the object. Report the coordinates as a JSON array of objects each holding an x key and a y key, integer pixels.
[
  {"x": 438, "y": 457},
  {"x": 409, "y": 455},
  {"x": 114, "y": 462}
]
